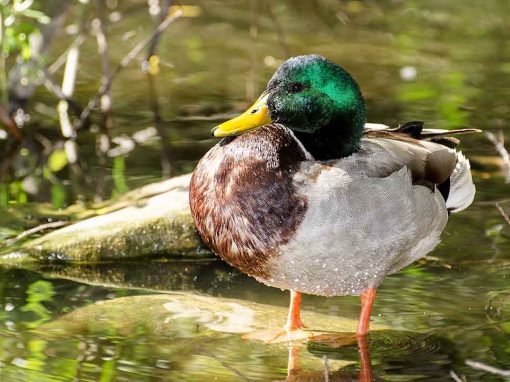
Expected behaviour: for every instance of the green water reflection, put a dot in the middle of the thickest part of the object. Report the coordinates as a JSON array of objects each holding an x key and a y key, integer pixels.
[{"x": 447, "y": 63}]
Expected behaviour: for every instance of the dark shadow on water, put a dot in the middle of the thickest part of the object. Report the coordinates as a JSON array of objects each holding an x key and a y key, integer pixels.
[{"x": 382, "y": 356}]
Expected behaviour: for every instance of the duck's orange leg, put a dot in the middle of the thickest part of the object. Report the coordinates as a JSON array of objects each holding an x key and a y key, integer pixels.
[
  {"x": 294, "y": 318},
  {"x": 293, "y": 364},
  {"x": 367, "y": 301},
  {"x": 292, "y": 329},
  {"x": 365, "y": 373}
]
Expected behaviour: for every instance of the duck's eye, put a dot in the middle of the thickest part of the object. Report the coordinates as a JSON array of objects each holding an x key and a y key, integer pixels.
[{"x": 296, "y": 87}]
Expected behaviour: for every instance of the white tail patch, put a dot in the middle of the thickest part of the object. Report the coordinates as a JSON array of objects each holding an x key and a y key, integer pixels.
[
  {"x": 375, "y": 126},
  {"x": 462, "y": 189}
]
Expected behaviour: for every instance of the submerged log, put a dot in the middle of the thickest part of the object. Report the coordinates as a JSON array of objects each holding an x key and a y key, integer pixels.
[
  {"x": 152, "y": 221},
  {"x": 158, "y": 313}
]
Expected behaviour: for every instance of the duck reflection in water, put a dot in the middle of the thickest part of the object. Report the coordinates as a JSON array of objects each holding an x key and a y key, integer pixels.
[
  {"x": 338, "y": 340},
  {"x": 399, "y": 355}
]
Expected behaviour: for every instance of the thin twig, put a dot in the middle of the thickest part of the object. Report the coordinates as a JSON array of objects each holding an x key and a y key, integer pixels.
[
  {"x": 490, "y": 369},
  {"x": 99, "y": 25},
  {"x": 7, "y": 121},
  {"x": 105, "y": 87},
  {"x": 455, "y": 377},
  {"x": 4, "y": 95},
  {"x": 490, "y": 202},
  {"x": 52, "y": 86},
  {"x": 61, "y": 60},
  {"x": 499, "y": 145},
  {"x": 68, "y": 82},
  {"x": 166, "y": 164},
  {"x": 213, "y": 117},
  {"x": 503, "y": 213},
  {"x": 67, "y": 128},
  {"x": 102, "y": 139},
  {"x": 39, "y": 228},
  {"x": 163, "y": 14}
]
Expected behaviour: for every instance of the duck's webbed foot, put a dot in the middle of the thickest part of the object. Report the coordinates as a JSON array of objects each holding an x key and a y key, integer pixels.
[{"x": 293, "y": 329}]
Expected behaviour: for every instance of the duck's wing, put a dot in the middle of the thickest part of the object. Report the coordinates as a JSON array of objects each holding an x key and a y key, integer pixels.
[{"x": 429, "y": 153}]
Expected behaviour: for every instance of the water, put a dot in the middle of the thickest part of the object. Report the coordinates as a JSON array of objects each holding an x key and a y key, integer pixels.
[{"x": 447, "y": 64}]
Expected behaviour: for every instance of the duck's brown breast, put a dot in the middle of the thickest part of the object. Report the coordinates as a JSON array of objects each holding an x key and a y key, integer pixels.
[{"x": 243, "y": 199}]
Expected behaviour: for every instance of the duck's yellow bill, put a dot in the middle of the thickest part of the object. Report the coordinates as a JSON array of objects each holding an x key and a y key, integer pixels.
[{"x": 257, "y": 115}]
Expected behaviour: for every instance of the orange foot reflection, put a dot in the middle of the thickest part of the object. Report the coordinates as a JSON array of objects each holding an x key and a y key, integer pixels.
[{"x": 295, "y": 373}]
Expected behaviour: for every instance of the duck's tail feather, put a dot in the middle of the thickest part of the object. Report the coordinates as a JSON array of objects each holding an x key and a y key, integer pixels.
[
  {"x": 415, "y": 130},
  {"x": 462, "y": 189}
]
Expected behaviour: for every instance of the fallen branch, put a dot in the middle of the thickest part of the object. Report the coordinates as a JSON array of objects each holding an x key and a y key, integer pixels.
[
  {"x": 499, "y": 145},
  {"x": 490, "y": 369},
  {"x": 39, "y": 228},
  {"x": 503, "y": 213},
  {"x": 105, "y": 87}
]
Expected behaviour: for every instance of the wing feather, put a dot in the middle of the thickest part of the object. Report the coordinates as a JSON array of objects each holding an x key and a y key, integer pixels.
[{"x": 434, "y": 158}]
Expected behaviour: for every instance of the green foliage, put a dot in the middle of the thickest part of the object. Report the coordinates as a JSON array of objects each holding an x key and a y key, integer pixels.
[
  {"x": 4, "y": 195},
  {"x": 57, "y": 160},
  {"x": 58, "y": 195},
  {"x": 17, "y": 193},
  {"x": 19, "y": 21},
  {"x": 40, "y": 291},
  {"x": 55, "y": 163},
  {"x": 37, "y": 293},
  {"x": 108, "y": 370},
  {"x": 12, "y": 193},
  {"x": 195, "y": 49},
  {"x": 119, "y": 177}
]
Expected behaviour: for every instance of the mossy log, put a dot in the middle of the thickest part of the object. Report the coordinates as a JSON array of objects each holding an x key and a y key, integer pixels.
[{"x": 152, "y": 221}]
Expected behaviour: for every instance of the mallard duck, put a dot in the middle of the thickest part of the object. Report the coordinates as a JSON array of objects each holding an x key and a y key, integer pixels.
[{"x": 303, "y": 195}]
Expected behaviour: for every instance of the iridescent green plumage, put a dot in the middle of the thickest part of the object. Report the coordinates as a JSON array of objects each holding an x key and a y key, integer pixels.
[{"x": 321, "y": 103}]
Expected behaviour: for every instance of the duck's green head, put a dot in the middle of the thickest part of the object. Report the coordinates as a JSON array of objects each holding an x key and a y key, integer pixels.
[{"x": 311, "y": 96}]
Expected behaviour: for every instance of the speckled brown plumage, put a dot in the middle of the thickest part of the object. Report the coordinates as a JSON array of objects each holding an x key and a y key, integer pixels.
[{"x": 243, "y": 199}]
